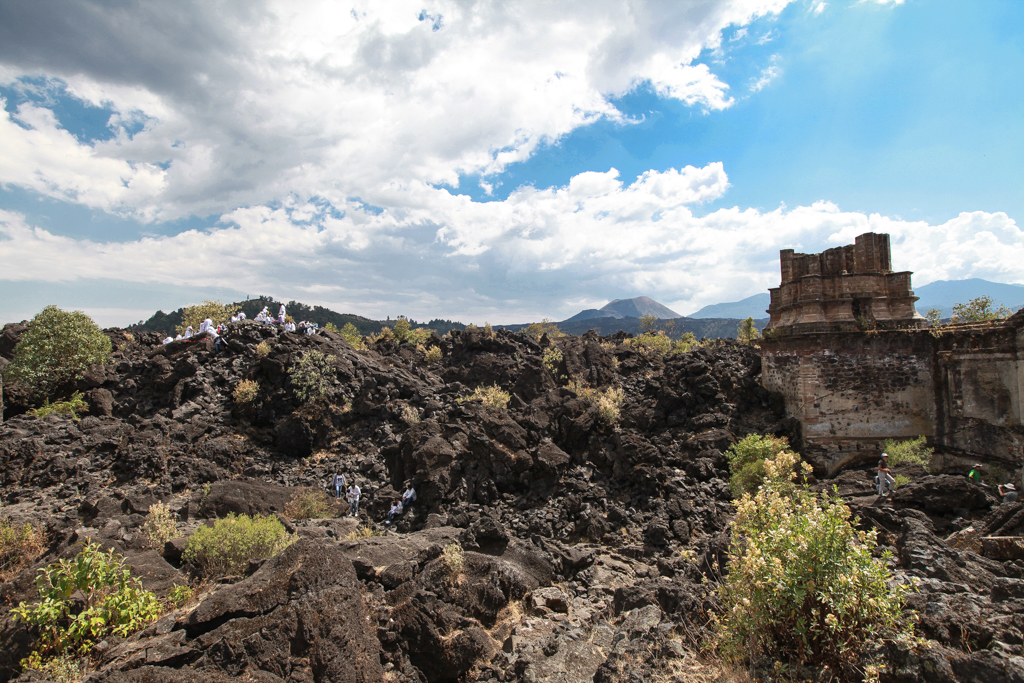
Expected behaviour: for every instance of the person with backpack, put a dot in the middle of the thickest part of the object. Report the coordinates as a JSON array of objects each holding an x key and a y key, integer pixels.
[
  {"x": 339, "y": 484},
  {"x": 353, "y": 500}
]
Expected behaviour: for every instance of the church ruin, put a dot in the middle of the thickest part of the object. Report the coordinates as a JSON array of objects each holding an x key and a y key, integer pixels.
[{"x": 857, "y": 363}]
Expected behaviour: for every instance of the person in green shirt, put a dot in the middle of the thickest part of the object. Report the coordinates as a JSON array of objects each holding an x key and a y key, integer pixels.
[{"x": 975, "y": 474}]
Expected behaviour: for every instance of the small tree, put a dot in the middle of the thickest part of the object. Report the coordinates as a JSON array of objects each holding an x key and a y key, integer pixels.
[
  {"x": 402, "y": 329},
  {"x": 352, "y": 336},
  {"x": 58, "y": 347},
  {"x": 648, "y": 324},
  {"x": 538, "y": 330},
  {"x": 934, "y": 316},
  {"x": 311, "y": 375},
  {"x": 747, "y": 332},
  {"x": 195, "y": 315},
  {"x": 979, "y": 309}
]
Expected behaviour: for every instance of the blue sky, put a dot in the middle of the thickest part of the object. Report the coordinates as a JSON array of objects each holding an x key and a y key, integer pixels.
[{"x": 500, "y": 162}]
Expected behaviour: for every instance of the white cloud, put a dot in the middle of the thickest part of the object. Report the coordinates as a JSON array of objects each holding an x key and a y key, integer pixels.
[
  {"x": 524, "y": 257},
  {"x": 768, "y": 74},
  {"x": 820, "y": 7},
  {"x": 251, "y": 102}
]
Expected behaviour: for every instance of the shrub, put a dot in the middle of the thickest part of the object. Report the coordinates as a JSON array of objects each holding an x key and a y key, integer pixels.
[
  {"x": 912, "y": 452},
  {"x": 648, "y": 324},
  {"x": 59, "y": 669},
  {"x": 262, "y": 349},
  {"x": 352, "y": 336},
  {"x": 410, "y": 415},
  {"x": 491, "y": 396},
  {"x": 899, "y": 480},
  {"x": 978, "y": 310},
  {"x": 651, "y": 345},
  {"x": 934, "y": 316},
  {"x": 246, "y": 391},
  {"x": 686, "y": 342},
  {"x": 803, "y": 587},
  {"x": 552, "y": 360},
  {"x": 71, "y": 407},
  {"x": 433, "y": 355},
  {"x": 20, "y": 545},
  {"x": 195, "y": 315},
  {"x": 311, "y": 375},
  {"x": 418, "y": 336},
  {"x": 226, "y": 547},
  {"x": 329, "y": 327},
  {"x": 401, "y": 329},
  {"x": 454, "y": 559},
  {"x": 160, "y": 525},
  {"x": 310, "y": 503},
  {"x": 538, "y": 330},
  {"x": 180, "y": 594},
  {"x": 608, "y": 402},
  {"x": 746, "y": 460},
  {"x": 111, "y": 601},
  {"x": 57, "y": 348},
  {"x": 363, "y": 532},
  {"x": 747, "y": 332}
]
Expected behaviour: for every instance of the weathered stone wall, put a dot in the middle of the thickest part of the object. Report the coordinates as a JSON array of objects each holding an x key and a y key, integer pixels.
[
  {"x": 963, "y": 388},
  {"x": 852, "y": 390}
]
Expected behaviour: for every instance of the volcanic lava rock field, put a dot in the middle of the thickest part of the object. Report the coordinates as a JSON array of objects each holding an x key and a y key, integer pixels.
[{"x": 591, "y": 549}]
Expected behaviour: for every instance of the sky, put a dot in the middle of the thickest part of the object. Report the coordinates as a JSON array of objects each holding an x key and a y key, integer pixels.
[{"x": 496, "y": 161}]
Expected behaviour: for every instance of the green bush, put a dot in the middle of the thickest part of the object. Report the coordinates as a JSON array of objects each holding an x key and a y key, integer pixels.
[
  {"x": 311, "y": 375},
  {"x": 225, "y": 548},
  {"x": 59, "y": 669},
  {"x": 608, "y": 401},
  {"x": 552, "y": 360},
  {"x": 911, "y": 452},
  {"x": 432, "y": 355},
  {"x": 57, "y": 348},
  {"x": 899, "y": 480},
  {"x": 195, "y": 315},
  {"x": 112, "y": 602},
  {"x": 20, "y": 545},
  {"x": 651, "y": 344},
  {"x": 687, "y": 342},
  {"x": 803, "y": 588},
  {"x": 978, "y": 310},
  {"x": 180, "y": 594},
  {"x": 648, "y": 324},
  {"x": 70, "y": 407},
  {"x": 492, "y": 396},
  {"x": 352, "y": 336},
  {"x": 746, "y": 460}
]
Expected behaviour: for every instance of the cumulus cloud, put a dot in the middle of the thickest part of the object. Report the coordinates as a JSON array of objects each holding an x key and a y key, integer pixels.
[
  {"x": 538, "y": 253},
  {"x": 247, "y": 102}
]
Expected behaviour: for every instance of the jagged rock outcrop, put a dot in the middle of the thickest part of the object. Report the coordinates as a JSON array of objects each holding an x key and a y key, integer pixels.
[{"x": 589, "y": 550}]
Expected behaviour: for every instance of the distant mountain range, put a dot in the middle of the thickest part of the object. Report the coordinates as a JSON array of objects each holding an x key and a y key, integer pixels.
[{"x": 941, "y": 294}]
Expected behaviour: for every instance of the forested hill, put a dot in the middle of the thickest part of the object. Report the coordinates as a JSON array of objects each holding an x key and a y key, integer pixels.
[
  {"x": 710, "y": 328},
  {"x": 165, "y": 323}
]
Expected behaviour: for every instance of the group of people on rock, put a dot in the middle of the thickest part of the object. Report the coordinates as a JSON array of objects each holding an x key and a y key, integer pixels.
[
  {"x": 353, "y": 492},
  {"x": 207, "y": 326},
  {"x": 886, "y": 484}
]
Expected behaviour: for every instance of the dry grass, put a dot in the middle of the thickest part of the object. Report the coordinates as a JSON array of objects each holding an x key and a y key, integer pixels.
[
  {"x": 363, "y": 532},
  {"x": 20, "y": 545}
]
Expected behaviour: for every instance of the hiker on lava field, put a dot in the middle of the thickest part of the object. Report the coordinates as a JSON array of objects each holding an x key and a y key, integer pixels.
[{"x": 886, "y": 484}]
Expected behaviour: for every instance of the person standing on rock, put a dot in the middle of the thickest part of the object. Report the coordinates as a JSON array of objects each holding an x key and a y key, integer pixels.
[
  {"x": 280, "y": 315},
  {"x": 353, "y": 500},
  {"x": 975, "y": 474},
  {"x": 886, "y": 484},
  {"x": 339, "y": 485},
  {"x": 1008, "y": 492}
]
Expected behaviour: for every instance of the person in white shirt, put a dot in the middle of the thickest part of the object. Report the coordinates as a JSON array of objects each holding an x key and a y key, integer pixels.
[
  {"x": 168, "y": 340},
  {"x": 280, "y": 315},
  {"x": 396, "y": 509},
  {"x": 188, "y": 332},
  {"x": 339, "y": 484},
  {"x": 353, "y": 500},
  {"x": 409, "y": 497}
]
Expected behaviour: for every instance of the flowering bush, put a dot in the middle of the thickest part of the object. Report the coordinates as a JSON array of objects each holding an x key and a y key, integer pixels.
[
  {"x": 803, "y": 586},
  {"x": 746, "y": 460}
]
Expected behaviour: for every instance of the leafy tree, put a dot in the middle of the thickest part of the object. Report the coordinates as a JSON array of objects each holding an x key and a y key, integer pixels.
[
  {"x": 648, "y": 324},
  {"x": 747, "y": 332},
  {"x": 934, "y": 316},
  {"x": 352, "y": 336},
  {"x": 58, "y": 347},
  {"x": 978, "y": 310},
  {"x": 803, "y": 587},
  {"x": 311, "y": 375},
  {"x": 402, "y": 329},
  {"x": 195, "y": 315},
  {"x": 538, "y": 330}
]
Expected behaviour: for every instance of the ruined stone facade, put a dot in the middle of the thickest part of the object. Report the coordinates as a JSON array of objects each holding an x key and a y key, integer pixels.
[
  {"x": 854, "y": 383},
  {"x": 842, "y": 289}
]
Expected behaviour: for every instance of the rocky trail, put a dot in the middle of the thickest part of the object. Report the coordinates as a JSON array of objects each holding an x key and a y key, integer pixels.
[{"x": 591, "y": 550}]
